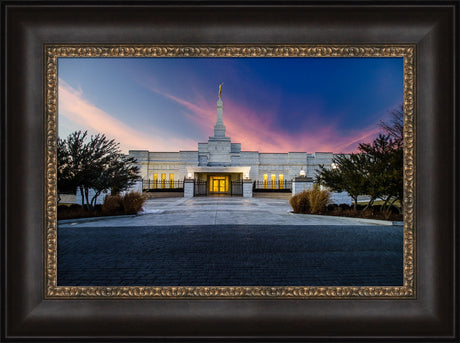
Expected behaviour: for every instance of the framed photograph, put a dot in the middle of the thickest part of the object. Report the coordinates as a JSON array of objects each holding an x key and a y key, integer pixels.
[
  {"x": 209, "y": 214},
  {"x": 195, "y": 172}
]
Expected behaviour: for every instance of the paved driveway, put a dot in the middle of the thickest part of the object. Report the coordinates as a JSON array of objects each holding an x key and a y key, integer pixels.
[
  {"x": 231, "y": 255},
  {"x": 228, "y": 242},
  {"x": 218, "y": 211}
]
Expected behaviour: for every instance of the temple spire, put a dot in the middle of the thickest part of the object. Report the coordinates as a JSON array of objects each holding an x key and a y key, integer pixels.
[{"x": 219, "y": 128}]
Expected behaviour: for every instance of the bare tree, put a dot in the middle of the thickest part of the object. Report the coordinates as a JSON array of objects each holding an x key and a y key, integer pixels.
[{"x": 395, "y": 126}]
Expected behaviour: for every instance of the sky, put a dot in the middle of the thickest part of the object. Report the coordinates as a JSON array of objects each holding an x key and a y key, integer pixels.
[{"x": 270, "y": 104}]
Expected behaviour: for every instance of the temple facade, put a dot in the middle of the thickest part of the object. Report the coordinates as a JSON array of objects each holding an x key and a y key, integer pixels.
[{"x": 219, "y": 162}]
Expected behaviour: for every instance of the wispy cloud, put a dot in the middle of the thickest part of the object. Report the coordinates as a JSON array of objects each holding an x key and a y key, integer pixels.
[
  {"x": 201, "y": 115},
  {"x": 80, "y": 111},
  {"x": 257, "y": 131}
]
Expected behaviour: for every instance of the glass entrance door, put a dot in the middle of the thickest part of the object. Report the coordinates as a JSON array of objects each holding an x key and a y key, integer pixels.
[{"x": 218, "y": 184}]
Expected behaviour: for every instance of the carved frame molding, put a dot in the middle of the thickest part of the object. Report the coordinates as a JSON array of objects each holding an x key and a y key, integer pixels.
[{"x": 54, "y": 52}]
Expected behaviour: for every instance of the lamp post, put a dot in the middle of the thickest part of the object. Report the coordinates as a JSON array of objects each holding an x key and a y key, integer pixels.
[{"x": 302, "y": 173}]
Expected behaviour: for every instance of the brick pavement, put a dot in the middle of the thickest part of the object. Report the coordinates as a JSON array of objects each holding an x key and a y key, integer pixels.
[{"x": 230, "y": 255}]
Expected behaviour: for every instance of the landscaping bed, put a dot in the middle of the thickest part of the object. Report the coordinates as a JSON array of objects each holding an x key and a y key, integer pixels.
[
  {"x": 130, "y": 203},
  {"x": 315, "y": 201},
  {"x": 373, "y": 212}
]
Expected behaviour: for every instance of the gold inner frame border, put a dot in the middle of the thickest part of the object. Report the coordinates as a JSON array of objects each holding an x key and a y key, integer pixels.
[{"x": 54, "y": 51}]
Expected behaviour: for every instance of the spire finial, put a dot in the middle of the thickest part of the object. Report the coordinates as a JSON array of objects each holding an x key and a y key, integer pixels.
[{"x": 220, "y": 90}]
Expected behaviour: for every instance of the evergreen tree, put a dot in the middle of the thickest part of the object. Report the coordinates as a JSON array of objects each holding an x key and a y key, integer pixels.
[
  {"x": 348, "y": 174},
  {"x": 376, "y": 171}
]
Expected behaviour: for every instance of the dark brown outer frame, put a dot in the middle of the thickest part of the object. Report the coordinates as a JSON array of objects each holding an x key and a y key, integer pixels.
[{"x": 28, "y": 26}]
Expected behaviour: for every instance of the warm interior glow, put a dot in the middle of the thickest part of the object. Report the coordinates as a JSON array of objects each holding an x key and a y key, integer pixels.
[
  {"x": 155, "y": 180},
  {"x": 163, "y": 180},
  {"x": 281, "y": 180},
  {"x": 273, "y": 179},
  {"x": 265, "y": 178},
  {"x": 218, "y": 184},
  {"x": 171, "y": 180}
]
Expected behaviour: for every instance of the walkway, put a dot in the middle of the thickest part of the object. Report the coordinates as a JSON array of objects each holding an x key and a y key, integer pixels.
[{"x": 219, "y": 211}]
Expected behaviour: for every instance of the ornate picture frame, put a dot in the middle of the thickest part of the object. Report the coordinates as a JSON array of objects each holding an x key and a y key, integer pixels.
[
  {"x": 408, "y": 290},
  {"x": 36, "y": 309}
]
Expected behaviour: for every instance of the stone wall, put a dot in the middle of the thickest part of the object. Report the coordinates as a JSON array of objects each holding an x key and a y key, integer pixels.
[
  {"x": 299, "y": 186},
  {"x": 287, "y": 164},
  {"x": 137, "y": 187},
  {"x": 91, "y": 192},
  {"x": 340, "y": 198}
]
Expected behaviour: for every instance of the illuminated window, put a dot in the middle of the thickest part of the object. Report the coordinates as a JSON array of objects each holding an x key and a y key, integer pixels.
[
  {"x": 218, "y": 184},
  {"x": 273, "y": 181},
  {"x": 281, "y": 180},
  {"x": 265, "y": 180},
  {"x": 163, "y": 180},
  {"x": 171, "y": 180},
  {"x": 155, "y": 180}
]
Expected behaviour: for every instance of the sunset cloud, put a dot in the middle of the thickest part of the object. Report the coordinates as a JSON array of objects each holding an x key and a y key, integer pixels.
[
  {"x": 270, "y": 105},
  {"x": 256, "y": 131},
  {"x": 73, "y": 106}
]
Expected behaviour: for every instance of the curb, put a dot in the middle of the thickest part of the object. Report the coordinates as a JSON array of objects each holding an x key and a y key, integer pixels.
[
  {"x": 361, "y": 220},
  {"x": 93, "y": 219},
  {"x": 378, "y": 221}
]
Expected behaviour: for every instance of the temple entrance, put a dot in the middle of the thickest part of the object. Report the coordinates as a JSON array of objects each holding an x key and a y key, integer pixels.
[
  {"x": 225, "y": 181},
  {"x": 218, "y": 184}
]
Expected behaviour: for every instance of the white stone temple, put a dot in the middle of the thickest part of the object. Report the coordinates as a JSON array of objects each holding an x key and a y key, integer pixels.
[{"x": 219, "y": 162}]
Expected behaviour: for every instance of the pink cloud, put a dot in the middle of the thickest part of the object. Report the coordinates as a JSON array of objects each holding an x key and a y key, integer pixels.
[
  {"x": 253, "y": 129},
  {"x": 87, "y": 116},
  {"x": 202, "y": 115},
  {"x": 256, "y": 130}
]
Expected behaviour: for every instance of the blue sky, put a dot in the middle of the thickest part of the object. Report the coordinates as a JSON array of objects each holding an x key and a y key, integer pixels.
[{"x": 270, "y": 104}]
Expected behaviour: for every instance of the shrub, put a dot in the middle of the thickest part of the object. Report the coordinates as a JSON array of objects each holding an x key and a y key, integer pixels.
[
  {"x": 313, "y": 200},
  {"x": 344, "y": 206},
  {"x": 112, "y": 205},
  {"x": 360, "y": 207},
  {"x": 338, "y": 211},
  {"x": 299, "y": 203},
  {"x": 73, "y": 211},
  {"x": 331, "y": 207},
  {"x": 318, "y": 199},
  {"x": 132, "y": 202},
  {"x": 376, "y": 208},
  {"x": 368, "y": 213}
]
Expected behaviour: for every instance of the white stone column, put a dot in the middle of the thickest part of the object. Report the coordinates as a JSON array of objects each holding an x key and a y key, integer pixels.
[
  {"x": 300, "y": 184},
  {"x": 189, "y": 188},
  {"x": 247, "y": 188},
  {"x": 136, "y": 187}
]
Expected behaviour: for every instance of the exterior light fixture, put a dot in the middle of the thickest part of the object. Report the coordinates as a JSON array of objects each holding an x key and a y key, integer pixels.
[
  {"x": 246, "y": 176},
  {"x": 333, "y": 166},
  {"x": 302, "y": 172},
  {"x": 189, "y": 175}
]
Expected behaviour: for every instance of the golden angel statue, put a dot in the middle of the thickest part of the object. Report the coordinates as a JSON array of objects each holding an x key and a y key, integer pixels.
[{"x": 220, "y": 89}]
